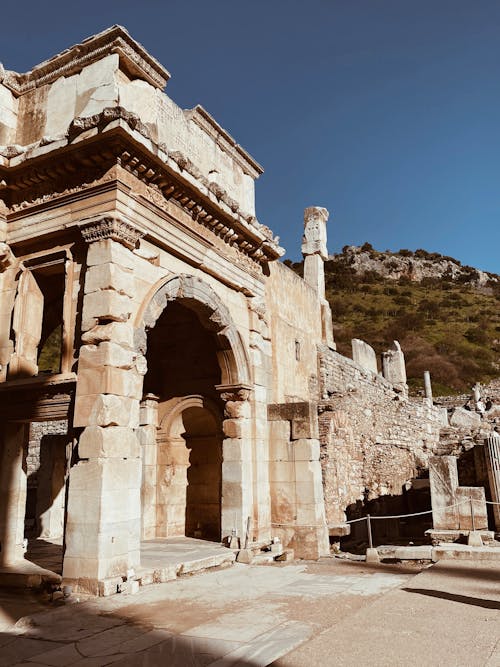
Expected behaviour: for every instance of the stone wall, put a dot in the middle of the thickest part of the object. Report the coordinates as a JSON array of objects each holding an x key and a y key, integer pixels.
[
  {"x": 373, "y": 439},
  {"x": 37, "y": 431}
]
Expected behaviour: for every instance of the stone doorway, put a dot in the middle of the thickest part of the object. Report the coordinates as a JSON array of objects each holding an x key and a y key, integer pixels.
[
  {"x": 189, "y": 470},
  {"x": 182, "y": 456}
]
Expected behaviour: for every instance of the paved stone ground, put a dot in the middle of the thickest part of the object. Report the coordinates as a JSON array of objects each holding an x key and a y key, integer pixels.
[
  {"x": 326, "y": 613},
  {"x": 446, "y": 616}
]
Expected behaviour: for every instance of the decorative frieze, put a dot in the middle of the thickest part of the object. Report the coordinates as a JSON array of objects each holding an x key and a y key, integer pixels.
[{"x": 110, "y": 227}]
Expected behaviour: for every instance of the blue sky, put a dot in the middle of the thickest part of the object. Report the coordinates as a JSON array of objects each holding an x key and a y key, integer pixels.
[{"x": 387, "y": 112}]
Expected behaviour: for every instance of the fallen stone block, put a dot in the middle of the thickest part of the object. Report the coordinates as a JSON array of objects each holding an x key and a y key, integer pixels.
[{"x": 463, "y": 417}]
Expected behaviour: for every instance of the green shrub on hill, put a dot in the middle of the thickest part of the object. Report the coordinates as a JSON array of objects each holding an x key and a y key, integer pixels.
[{"x": 446, "y": 326}]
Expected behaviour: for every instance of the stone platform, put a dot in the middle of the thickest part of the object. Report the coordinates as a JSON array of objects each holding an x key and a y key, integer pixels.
[
  {"x": 439, "y": 552},
  {"x": 165, "y": 559},
  {"x": 161, "y": 560},
  {"x": 449, "y": 536}
]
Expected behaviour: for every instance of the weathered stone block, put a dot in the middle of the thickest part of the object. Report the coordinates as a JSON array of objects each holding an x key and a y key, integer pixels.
[
  {"x": 107, "y": 250},
  {"x": 110, "y": 277},
  {"x": 232, "y": 428},
  {"x": 305, "y": 450},
  {"x": 281, "y": 471},
  {"x": 106, "y": 354},
  {"x": 443, "y": 477},
  {"x": 110, "y": 380},
  {"x": 364, "y": 355},
  {"x": 393, "y": 365},
  {"x": 234, "y": 449},
  {"x": 110, "y": 442},
  {"x": 105, "y": 305},
  {"x": 106, "y": 410},
  {"x": 471, "y": 500},
  {"x": 463, "y": 417},
  {"x": 306, "y": 427},
  {"x": 120, "y": 333}
]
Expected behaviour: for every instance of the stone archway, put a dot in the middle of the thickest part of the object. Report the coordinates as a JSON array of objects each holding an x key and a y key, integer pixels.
[
  {"x": 189, "y": 469},
  {"x": 196, "y": 295},
  {"x": 197, "y": 460}
]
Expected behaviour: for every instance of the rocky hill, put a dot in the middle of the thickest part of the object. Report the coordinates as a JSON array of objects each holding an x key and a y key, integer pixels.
[
  {"x": 445, "y": 315},
  {"x": 415, "y": 266}
]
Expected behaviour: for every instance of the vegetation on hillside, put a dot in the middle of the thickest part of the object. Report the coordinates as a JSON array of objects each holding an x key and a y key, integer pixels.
[{"x": 449, "y": 327}]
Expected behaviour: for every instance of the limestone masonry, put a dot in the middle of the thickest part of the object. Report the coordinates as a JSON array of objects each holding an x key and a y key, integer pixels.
[{"x": 161, "y": 373}]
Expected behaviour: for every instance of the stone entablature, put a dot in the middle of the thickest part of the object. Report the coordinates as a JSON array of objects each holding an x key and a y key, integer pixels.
[
  {"x": 93, "y": 78},
  {"x": 136, "y": 61},
  {"x": 30, "y": 180}
]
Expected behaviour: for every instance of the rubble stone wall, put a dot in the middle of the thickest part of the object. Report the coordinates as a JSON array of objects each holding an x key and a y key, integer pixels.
[
  {"x": 37, "y": 431},
  {"x": 372, "y": 438}
]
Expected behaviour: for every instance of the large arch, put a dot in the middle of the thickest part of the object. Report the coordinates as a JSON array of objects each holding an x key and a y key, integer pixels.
[
  {"x": 179, "y": 455},
  {"x": 195, "y": 294}
]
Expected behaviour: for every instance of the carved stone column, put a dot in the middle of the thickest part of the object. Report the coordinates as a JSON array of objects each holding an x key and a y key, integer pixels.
[
  {"x": 237, "y": 466},
  {"x": 261, "y": 362},
  {"x": 147, "y": 435},
  {"x": 9, "y": 269},
  {"x": 13, "y": 484},
  {"x": 315, "y": 254},
  {"x": 104, "y": 504}
]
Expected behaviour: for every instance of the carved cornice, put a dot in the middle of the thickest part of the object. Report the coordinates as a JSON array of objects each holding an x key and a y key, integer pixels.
[
  {"x": 110, "y": 227},
  {"x": 37, "y": 179},
  {"x": 134, "y": 59},
  {"x": 100, "y": 120}
]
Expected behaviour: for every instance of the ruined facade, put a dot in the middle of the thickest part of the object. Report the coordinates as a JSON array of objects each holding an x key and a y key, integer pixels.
[{"x": 190, "y": 379}]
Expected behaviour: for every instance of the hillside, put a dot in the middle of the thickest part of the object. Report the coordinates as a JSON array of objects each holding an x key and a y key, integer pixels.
[{"x": 445, "y": 315}]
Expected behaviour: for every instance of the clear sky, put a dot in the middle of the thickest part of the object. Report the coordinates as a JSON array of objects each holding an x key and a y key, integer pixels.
[{"x": 386, "y": 112}]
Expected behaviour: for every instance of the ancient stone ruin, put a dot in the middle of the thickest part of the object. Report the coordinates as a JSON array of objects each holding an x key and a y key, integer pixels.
[{"x": 162, "y": 374}]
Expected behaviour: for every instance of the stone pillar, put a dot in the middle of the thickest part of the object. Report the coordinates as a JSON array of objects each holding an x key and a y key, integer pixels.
[
  {"x": 261, "y": 361},
  {"x": 315, "y": 254},
  {"x": 51, "y": 491},
  {"x": 103, "y": 527},
  {"x": 443, "y": 476},
  {"x": 9, "y": 269},
  {"x": 237, "y": 465},
  {"x": 393, "y": 366},
  {"x": 298, "y": 509},
  {"x": 147, "y": 434},
  {"x": 492, "y": 451},
  {"x": 427, "y": 386},
  {"x": 27, "y": 326},
  {"x": 171, "y": 481},
  {"x": 13, "y": 483}
]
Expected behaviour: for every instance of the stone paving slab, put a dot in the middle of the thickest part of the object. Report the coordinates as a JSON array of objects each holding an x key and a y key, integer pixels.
[
  {"x": 245, "y": 615},
  {"x": 446, "y": 616}
]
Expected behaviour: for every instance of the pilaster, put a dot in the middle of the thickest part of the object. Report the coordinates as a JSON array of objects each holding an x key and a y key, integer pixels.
[{"x": 103, "y": 529}]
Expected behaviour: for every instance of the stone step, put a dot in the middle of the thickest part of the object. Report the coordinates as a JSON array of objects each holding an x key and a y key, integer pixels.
[
  {"x": 464, "y": 552},
  {"x": 440, "y": 552},
  {"x": 412, "y": 552},
  {"x": 170, "y": 571},
  {"x": 28, "y": 575}
]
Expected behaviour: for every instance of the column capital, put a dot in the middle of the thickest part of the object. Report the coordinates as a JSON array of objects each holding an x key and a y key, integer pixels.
[
  {"x": 234, "y": 392},
  {"x": 314, "y": 239},
  {"x": 110, "y": 226}
]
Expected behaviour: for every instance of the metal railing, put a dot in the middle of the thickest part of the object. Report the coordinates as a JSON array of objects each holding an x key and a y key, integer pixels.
[{"x": 369, "y": 517}]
